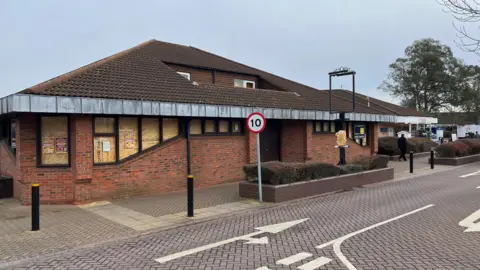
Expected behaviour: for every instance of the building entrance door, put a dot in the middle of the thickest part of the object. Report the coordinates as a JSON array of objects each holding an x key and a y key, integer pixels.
[{"x": 270, "y": 141}]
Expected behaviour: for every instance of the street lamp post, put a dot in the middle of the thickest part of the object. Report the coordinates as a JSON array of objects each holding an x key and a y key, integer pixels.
[{"x": 340, "y": 72}]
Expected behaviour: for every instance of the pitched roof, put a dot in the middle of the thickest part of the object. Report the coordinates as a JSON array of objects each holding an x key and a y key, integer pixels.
[{"x": 142, "y": 73}]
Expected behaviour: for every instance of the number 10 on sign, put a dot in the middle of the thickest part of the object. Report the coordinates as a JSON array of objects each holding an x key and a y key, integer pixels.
[{"x": 256, "y": 123}]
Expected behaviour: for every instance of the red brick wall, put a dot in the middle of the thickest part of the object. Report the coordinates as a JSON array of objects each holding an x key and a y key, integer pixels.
[
  {"x": 218, "y": 159},
  {"x": 293, "y": 141},
  {"x": 162, "y": 169},
  {"x": 55, "y": 183},
  {"x": 323, "y": 148}
]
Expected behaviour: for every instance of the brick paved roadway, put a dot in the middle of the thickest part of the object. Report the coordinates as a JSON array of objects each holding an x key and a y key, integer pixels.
[{"x": 429, "y": 239}]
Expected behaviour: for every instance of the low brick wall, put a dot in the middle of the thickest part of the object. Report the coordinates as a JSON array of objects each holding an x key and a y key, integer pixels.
[
  {"x": 455, "y": 161},
  {"x": 297, "y": 190}
]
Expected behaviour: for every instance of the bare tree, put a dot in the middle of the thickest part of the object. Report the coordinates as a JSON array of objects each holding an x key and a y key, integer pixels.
[{"x": 464, "y": 11}]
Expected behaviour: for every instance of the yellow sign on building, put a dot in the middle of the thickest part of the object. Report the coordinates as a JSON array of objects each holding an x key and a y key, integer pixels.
[{"x": 341, "y": 138}]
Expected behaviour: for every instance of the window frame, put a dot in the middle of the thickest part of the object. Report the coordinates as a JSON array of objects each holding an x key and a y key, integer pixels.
[
  {"x": 38, "y": 142},
  {"x": 183, "y": 74},
  {"x": 217, "y": 127},
  {"x": 314, "y": 130},
  {"x": 115, "y": 134},
  {"x": 244, "y": 83}
]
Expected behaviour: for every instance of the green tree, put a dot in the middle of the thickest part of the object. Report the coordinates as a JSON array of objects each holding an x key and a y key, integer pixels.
[
  {"x": 426, "y": 78},
  {"x": 469, "y": 96}
]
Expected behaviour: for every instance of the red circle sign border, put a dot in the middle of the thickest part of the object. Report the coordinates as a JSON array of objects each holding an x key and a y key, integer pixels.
[{"x": 264, "y": 121}]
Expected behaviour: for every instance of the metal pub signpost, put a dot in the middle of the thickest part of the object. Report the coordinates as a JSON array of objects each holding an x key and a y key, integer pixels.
[{"x": 256, "y": 123}]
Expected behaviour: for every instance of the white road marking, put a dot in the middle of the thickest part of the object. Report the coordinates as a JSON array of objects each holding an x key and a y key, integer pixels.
[
  {"x": 294, "y": 258},
  {"x": 312, "y": 265},
  {"x": 275, "y": 228},
  {"x": 470, "y": 223},
  {"x": 338, "y": 242},
  {"x": 478, "y": 187},
  {"x": 470, "y": 174},
  {"x": 261, "y": 240},
  {"x": 263, "y": 268}
]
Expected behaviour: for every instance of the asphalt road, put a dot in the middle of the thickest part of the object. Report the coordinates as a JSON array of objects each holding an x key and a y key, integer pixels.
[{"x": 410, "y": 224}]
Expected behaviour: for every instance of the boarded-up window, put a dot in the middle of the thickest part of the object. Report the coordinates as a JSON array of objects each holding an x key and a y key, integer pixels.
[
  {"x": 54, "y": 140},
  {"x": 128, "y": 136},
  {"x": 209, "y": 126},
  {"x": 150, "y": 132},
  {"x": 104, "y": 150},
  {"x": 196, "y": 127},
  {"x": 104, "y": 125},
  {"x": 236, "y": 126},
  {"x": 170, "y": 128},
  {"x": 223, "y": 126}
]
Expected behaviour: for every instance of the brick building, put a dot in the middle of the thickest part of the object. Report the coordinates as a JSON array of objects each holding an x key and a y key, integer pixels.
[{"x": 118, "y": 127}]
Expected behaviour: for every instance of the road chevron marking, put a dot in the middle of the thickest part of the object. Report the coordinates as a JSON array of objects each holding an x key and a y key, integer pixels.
[
  {"x": 275, "y": 228},
  {"x": 294, "y": 258},
  {"x": 338, "y": 242},
  {"x": 312, "y": 265}
]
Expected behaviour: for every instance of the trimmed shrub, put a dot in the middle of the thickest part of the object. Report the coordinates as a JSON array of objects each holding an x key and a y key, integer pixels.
[
  {"x": 350, "y": 168},
  {"x": 426, "y": 146},
  {"x": 389, "y": 146},
  {"x": 473, "y": 144},
  {"x": 454, "y": 149},
  {"x": 461, "y": 149},
  {"x": 317, "y": 170},
  {"x": 379, "y": 162},
  {"x": 278, "y": 173},
  {"x": 372, "y": 163},
  {"x": 445, "y": 150}
]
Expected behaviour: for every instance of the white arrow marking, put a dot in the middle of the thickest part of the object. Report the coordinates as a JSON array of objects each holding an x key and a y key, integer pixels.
[
  {"x": 470, "y": 174},
  {"x": 294, "y": 258},
  {"x": 470, "y": 223},
  {"x": 275, "y": 228},
  {"x": 315, "y": 264},
  {"x": 262, "y": 240}
]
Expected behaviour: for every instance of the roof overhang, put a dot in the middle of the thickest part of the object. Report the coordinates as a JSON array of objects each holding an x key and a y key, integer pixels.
[{"x": 28, "y": 103}]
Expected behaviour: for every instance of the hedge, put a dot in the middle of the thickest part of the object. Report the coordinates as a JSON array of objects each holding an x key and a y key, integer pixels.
[
  {"x": 389, "y": 145},
  {"x": 278, "y": 173},
  {"x": 455, "y": 149},
  {"x": 372, "y": 163}
]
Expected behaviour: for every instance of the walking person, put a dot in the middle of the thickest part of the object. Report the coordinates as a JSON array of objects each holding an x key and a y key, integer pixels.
[{"x": 402, "y": 145}]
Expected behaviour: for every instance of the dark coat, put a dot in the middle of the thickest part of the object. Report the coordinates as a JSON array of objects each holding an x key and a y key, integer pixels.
[{"x": 402, "y": 144}]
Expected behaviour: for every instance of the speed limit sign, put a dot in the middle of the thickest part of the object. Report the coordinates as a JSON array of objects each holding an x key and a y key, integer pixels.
[{"x": 256, "y": 123}]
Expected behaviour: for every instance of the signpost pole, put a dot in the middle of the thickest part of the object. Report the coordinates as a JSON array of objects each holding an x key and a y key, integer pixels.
[{"x": 259, "y": 169}]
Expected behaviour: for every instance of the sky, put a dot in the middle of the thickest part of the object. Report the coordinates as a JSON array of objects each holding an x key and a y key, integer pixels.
[{"x": 300, "y": 40}]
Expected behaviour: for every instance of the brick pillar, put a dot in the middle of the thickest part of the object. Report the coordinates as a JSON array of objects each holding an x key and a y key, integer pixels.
[
  {"x": 252, "y": 146},
  {"x": 374, "y": 131},
  {"x": 26, "y": 157},
  {"x": 308, "y": 141},
  {"x": 82, "y": 156}
]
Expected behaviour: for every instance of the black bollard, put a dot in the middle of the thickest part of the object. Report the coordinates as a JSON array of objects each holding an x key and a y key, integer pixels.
[
  {"x": 35, "y": 207},
  {"x": 432, "y": 160},
  {"x": 411, "y": 161},
  {"x": 190, "y": 195}
]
